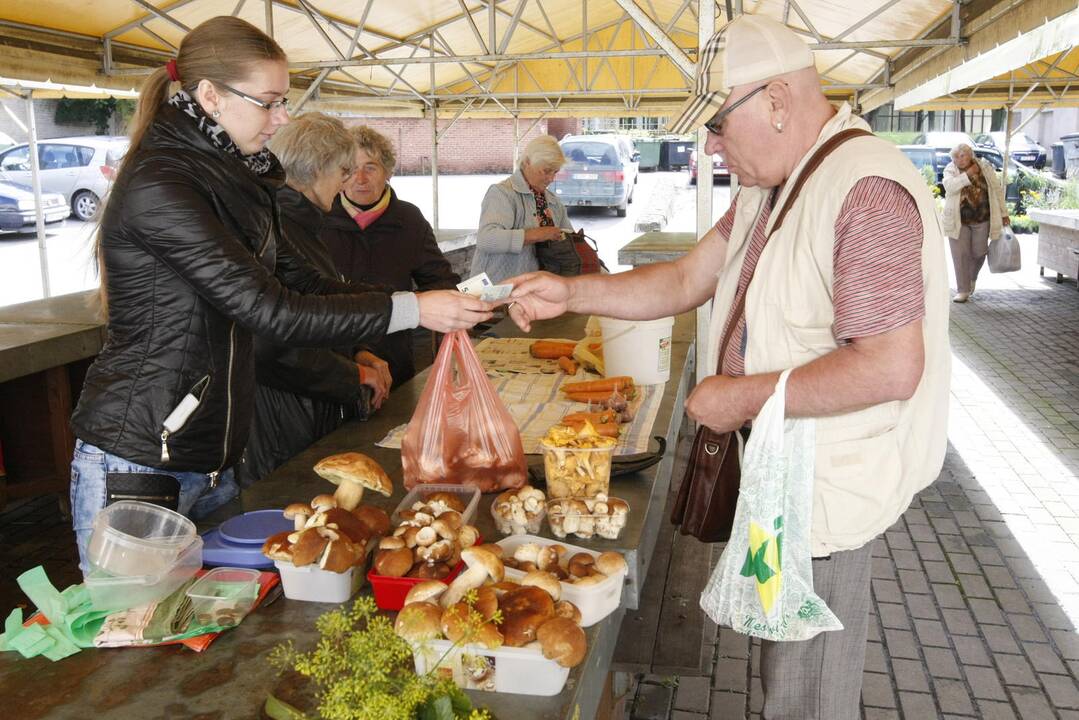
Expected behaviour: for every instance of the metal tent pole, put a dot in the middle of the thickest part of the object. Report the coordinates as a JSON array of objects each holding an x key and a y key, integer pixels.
[
  {"x": 39, "y": 211},
  {"x": 706, "y": 26},
  {"x": 434, "y": 146}
]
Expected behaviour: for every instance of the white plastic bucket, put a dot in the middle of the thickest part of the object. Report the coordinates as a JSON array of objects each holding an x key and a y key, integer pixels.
[{"x": 638, "y": 348}]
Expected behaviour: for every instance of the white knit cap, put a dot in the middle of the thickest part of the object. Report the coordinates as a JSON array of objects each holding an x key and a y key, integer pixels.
[{"x": 749, "y": 49}]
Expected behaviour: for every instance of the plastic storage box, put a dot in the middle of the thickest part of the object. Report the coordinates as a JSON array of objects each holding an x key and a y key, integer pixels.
[
  {"x": 224, "y": 596},
  {"x": 562, "y": 467},
  {"x": 313, "y": 584},
  {"x": 585, "y": 525},
  {"x": 110, "y": 591},
  {"x": 470, "y": 496},
  {"x": 506, "y": 670},
  {"x": 595, "y": 602},
  {"x": 390, "y": 592},
  {"x": 532, "y": 525},
  {"x": 134, "y": 538}
]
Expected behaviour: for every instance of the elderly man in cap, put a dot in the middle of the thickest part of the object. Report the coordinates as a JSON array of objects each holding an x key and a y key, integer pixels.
[{"x": 848, "y": 287}]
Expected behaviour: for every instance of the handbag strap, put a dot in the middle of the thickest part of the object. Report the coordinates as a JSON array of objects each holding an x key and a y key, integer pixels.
[{"x": 814, "y": 162}]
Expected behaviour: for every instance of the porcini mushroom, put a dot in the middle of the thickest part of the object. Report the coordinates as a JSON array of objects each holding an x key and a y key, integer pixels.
[
  {"x": 298, "y": 514},
  {"x": 481, "y": 565},
  {"x": 352, "y": 472}
]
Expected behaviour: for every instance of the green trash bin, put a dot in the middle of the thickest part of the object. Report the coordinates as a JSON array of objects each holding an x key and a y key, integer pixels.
[{"x": 649, "y": 150}]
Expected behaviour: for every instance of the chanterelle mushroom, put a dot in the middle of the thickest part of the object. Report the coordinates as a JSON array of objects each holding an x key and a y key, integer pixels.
[{"x": 351, "y": 473}]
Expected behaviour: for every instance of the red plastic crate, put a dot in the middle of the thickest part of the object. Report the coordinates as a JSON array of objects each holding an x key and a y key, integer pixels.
[{"x": 390, "y": 592}]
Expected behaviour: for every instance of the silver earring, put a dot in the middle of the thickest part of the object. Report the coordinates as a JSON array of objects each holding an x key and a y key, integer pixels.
[
  {"x": 779, "y": 127},
  {"x": 217, "y": 114}
]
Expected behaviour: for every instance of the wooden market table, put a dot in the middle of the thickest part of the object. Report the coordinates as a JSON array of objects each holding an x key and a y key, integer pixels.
[{"x": 232, "y": 678}]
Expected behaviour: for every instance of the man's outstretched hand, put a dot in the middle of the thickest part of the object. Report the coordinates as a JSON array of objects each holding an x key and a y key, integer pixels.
[{"x": 538, "y": 296}]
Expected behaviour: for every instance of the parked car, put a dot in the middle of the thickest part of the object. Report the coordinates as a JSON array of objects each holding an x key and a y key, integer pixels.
[
  {"x": 720, "y": 171},
  {"x": 6, "y": 141},
  {"x": 79, "y": 168},
  {"x": 942, "y": 139},
  {"x": 17, "y": 208},
  {"x": 1023, "y": 148},
  {"x": 600, "y": 171}
]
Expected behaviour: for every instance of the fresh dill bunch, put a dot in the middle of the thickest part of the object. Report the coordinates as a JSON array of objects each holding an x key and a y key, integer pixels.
[{"x": 363, "y": 671}]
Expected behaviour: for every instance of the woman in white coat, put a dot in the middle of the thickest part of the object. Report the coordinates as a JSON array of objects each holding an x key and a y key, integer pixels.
[{"x": 974, "y": 212}]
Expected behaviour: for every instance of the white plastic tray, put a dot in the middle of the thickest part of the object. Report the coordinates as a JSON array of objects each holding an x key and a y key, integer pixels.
[
  {"x": 313, "y": 584},
  {"x": 469, "y": 495},
  {"x": 595, "y": 602},
  {"x": 523, "y": 671}
]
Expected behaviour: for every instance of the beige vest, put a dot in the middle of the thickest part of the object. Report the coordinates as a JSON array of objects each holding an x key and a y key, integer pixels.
[{"x": 871, "y": 462}]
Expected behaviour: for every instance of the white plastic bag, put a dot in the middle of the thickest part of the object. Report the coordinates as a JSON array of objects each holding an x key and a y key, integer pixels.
[
  {"x": 763, "y": 584},
  {"x": 1004, "y": 252}
]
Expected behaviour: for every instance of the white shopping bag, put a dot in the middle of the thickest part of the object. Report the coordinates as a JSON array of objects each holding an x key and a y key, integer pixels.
[
  {"x": 763, "y": 584},
  {"x": 1004, "y": 253}
]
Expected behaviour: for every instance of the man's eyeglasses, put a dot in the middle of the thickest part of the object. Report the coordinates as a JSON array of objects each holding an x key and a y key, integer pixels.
[
  {"x": 715, "y": 125},
  {"x": 269, "y": 106}
]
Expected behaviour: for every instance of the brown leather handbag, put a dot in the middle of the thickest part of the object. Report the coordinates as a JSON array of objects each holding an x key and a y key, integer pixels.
[{"x": 707, "y": 497}]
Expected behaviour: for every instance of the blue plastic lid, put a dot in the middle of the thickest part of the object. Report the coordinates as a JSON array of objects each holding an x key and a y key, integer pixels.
[
  {"x": 217, "y": 551},
  {"x": 252, "y": 528}
]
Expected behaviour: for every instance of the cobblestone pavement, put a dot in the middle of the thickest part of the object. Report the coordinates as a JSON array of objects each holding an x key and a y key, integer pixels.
[{"x": 976, "y": 588}]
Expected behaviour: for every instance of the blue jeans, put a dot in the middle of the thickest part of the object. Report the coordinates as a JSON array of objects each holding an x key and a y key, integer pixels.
[{"x": 88, "y": 470}]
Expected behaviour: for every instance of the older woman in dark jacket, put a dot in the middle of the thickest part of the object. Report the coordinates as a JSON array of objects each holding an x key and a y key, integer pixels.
[{"x": 379, "y": 239}]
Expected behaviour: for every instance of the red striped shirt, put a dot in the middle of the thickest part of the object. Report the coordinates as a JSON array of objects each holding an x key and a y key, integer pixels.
[{"x": 877, "y": 265}]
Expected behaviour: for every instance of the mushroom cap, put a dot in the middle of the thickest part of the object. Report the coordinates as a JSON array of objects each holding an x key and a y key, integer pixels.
[
  {"x": 323, "y": 501},
  {"x": 611, "y": 563},
  {"x": 278, "y": 547},
  {"x": 355, "y": 468},
  {"x": 478, "y": 556},
  {"x": 347, "y": 523},
  {"x": 544, "y": 581},
  {"x": 393, "y": 563},
  {"x": 566, "y": 609},
  {"x": 391, "y": 543},
  {"x": 427, "y": 591},
  {"x": 308, "y": 547},
  {"x": 375, "y": 518},
  {"x": 297, "y": 509},
  {"x": 419, "y": 621},
  {"x": 455, "y": 621},
  {"x": 486, "y": 602},
  {"x": 523, "y": 611},
  {"x": 341, "y": 555},
  {"x": 581, "y": 564},
  {"x": 449, "y": 499},
  {"x": 563, "y": 641}
]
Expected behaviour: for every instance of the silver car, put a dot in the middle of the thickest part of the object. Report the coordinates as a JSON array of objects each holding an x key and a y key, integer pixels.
[{"x": 79, "y": 168}]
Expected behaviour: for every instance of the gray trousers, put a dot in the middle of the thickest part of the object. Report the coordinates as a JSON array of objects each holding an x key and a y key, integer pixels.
[
  {"x": 821, "y": 678},
  {"x": 968, "y": 254}
]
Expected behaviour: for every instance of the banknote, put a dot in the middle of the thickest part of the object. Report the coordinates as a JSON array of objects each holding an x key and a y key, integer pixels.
[{"x": 496, "y": 293}]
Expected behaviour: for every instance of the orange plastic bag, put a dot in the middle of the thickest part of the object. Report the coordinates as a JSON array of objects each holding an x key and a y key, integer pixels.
[{"x": 461, "y": 431}]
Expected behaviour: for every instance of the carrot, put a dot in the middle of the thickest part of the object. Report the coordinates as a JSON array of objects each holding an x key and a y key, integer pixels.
[
  {"x": 550, "y": 349},
  {"x": 596, "y": 418},
  {"x": 587, "y": 397},
  {"x": 568, "y": 366},
  {"x": 608, "y": 385},
  {"x": 603, "y": 429}
]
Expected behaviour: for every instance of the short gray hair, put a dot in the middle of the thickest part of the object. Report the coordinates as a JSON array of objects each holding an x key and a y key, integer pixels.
[
  {"x": 313, "y": 144},
  {"x": 376, "y": 145},
  {"x": 543, "y": 150},
  {"x": 961, "y": 146}
]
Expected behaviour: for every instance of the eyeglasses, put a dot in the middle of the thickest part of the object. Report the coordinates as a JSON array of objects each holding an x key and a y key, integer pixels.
[
  {"x": 715, "y": 125},
  {"x": 268, "y": 106}
]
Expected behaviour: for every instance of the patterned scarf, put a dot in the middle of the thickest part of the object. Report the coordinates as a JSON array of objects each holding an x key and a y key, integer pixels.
[
  {"x": 259, "y": 163},
  {"x": 364, "y": 218},
  {"x": 543, "y": 212}
]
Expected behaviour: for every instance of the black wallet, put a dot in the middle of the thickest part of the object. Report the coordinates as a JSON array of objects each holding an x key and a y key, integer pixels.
[{"x": 154, "y": 488}]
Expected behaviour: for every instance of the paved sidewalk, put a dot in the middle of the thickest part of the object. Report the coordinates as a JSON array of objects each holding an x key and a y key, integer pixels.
[{"x": 976, "y": 588}]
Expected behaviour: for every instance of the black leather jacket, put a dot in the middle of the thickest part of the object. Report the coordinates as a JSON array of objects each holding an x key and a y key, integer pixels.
[
  {"x": 195, "y": 264},
  {"x": 400, "y": 250}
]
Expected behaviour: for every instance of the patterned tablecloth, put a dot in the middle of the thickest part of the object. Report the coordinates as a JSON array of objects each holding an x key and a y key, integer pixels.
[{"x": 529, "y": 387}]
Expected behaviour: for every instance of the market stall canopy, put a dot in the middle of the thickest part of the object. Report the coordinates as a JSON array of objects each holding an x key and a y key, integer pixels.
[
  {"x": 526, "y": 57},
  {"x": 49, "y": 89}
]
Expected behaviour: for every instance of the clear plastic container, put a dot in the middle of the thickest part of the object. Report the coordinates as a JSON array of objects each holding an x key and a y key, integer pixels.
[
  {"x": 594, "y": 601},
  {"x": 586, "y": 525},
  {"x": 470, "y": 496},
  {"x": 533, "y": 523},
  {"x": 523, "y": 671},
  {"x": 138, "y": 539},
  {"x": 313, "y": 584},
  {"x": 577, "y": 472},
  {"x": 224, "y": 596},
  {"x": 109, "y": 591}
]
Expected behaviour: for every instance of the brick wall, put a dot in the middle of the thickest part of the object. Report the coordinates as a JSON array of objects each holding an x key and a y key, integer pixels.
[{"x": 471, "y": 146}]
